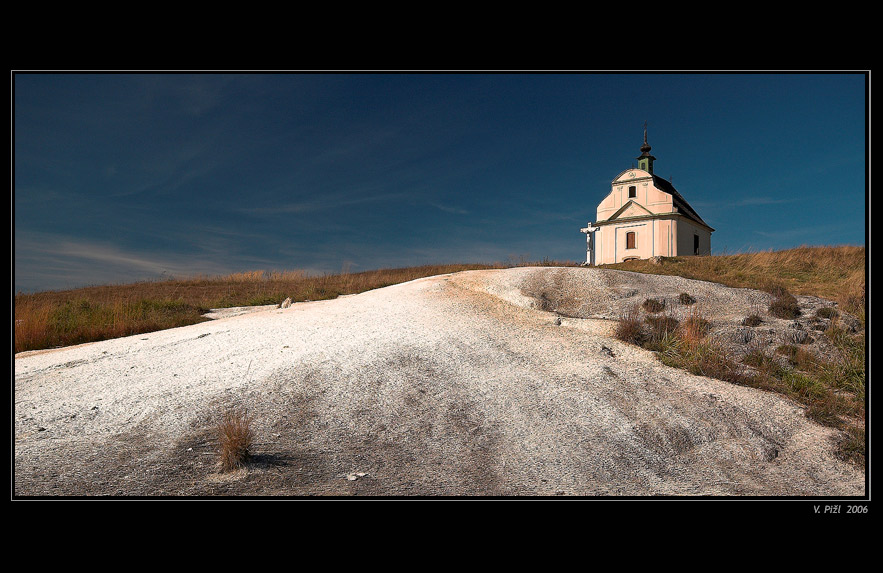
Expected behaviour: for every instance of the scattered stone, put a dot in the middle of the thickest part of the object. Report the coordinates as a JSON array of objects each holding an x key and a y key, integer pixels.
[
  {"x": 608, "y": 352},
  {"x": 795, "y": 333}
]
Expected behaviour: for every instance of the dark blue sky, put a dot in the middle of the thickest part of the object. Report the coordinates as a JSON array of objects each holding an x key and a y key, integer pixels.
[{"x": 124, "y": 177}]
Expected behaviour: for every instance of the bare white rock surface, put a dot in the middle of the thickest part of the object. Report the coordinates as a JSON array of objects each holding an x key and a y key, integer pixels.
[{"x": 463, "y": 384}]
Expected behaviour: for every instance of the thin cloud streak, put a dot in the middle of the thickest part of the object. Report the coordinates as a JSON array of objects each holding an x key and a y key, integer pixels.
[
  {"x": 49, "y": 261},
  {"x": 325, "y": 204}
]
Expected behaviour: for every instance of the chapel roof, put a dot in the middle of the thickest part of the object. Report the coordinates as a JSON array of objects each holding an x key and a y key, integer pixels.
[{"x": 677, "y": 199}]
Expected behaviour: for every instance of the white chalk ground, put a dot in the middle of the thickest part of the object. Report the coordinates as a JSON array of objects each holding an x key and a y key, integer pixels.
[{"x": 450, "y": 385}]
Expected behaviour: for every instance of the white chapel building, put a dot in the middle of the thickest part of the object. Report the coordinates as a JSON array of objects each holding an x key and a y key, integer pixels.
[{"x": 644, "y": 216}]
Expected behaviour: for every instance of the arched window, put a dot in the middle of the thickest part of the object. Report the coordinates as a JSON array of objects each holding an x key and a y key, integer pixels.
[{"x": 630, "y": 240}]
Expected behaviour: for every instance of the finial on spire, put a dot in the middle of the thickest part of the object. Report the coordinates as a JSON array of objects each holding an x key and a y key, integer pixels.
[{"x": 646, "y": 147}]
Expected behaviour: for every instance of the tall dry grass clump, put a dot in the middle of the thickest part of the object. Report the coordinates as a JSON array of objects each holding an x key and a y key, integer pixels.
[
  {"x": 629, "y": 328},
  {"x": 235, "y": 439}
]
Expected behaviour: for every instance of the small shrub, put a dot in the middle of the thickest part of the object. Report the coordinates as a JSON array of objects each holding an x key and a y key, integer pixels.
[
  {"x": 765, "y": 364},
  {"x": 754, "y": 358},
  {"x": 695, "y": 327},
  {"x": 685, "y": 298},
  {"x": 827, "y": 312},
  {"x": 752, "y": 320},
  {"x": 804, "y": 387},
  {"x": 775, "y": 289},
  {"x": 798, "y": 357},
  {"x": 630, "y": 329},
  {"x": 661, "y": 327},
  {"x": 236, "y": 438},
  {"x": 710, "y": 359},
  {"x": 785, "y": 306},
  {"x": 653, "y": 305}
]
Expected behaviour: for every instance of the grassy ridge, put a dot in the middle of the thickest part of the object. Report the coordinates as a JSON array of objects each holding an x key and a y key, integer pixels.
[
  {"x": 835, "y": 273},
  {"x": 62, "y": 318}
]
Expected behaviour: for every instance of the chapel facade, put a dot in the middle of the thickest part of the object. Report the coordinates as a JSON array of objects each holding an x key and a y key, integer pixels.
[{"x": 644, "y": 216}]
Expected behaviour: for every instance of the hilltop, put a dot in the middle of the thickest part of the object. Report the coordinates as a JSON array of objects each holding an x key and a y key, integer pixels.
[{"x": 483, "y": 382}]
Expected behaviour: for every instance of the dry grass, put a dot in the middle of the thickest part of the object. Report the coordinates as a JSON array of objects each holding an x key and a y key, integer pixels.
[
  {"x": 686, "y": 299},
  {"x": 63, "y": 318},
  {"x": 629, "y": 327},
  {"x": 752, "y": 320},
  {"x": 235, "y": 439},
  {"x": 836, "y": 273},
  {"x": 833, "y": 391},
  {"x": 784, "y": 304},
  {"x": 694, "y": 327},
  {"x": 653, "y": 305}
]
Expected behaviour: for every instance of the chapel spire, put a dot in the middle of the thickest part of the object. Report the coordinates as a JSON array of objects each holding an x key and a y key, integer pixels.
[{"x": 645, "y": 160}]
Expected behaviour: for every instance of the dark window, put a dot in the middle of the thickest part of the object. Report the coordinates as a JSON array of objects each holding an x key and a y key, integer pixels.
[
  {"x": 633, "y": 191},
  {"x": 695, "y": 244},
  {"x": 630, "y": 240}
]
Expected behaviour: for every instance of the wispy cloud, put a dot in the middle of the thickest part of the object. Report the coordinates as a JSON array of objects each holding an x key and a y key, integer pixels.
[
  {"x": 809, "y": 233},
  {"x": 743, "y": 202},
  {"x": 329, "y": 203},
  {"x": 49, "y": 261},
  {"x": 449, "y": 209},
  {"x": 751, "y": 201}
]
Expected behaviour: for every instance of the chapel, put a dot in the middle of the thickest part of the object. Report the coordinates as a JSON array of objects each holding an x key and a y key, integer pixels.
[{"x": 644, "y": 216}]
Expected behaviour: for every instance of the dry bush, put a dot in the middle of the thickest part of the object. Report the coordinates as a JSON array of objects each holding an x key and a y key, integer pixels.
[
  {"x": 661, "y": 327},
  {"x": 694, "y": 327},
  {"x": 235, "y": 439},
  {"x": 783, "y": 305},
  {"x": 706, "y": 358},
  {"x": 752, "y": 320},
  {"x": 686, "y": 299},
  {"x": 629, "y": 328},
  {"x": 799, "y": 357},
  {"x": 653, "y": 305},
  {"x": 827, "y": 312}
]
